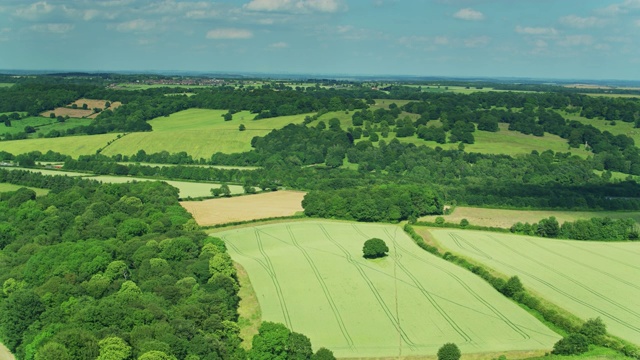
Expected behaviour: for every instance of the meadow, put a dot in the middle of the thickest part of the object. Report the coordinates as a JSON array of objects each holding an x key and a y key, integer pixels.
[
  {"x": 69, "y": 145},
  {"x": 47, "y": 171},
  {"x": 245, "y": 208},
  {"x": 504, "y": 218},
  {"x": 200, "y": 133},
  {"x": 311, "y": 276},
  {"x": 588, "y": 279},
  {"x": 42, "y": 124},
  {"x": 6, "y": 187}
]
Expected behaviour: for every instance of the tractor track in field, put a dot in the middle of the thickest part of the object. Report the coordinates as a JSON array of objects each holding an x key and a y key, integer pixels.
[
  {"x": 570, "y": 279},
  {"x": 274, "y": 278},
  {"x": 325, "y": 289},
  {"x": 612, "y": 276},
  {"x": 428, "y": 296},
  {"x": 270, "y": 272},
  {"x": 560, "y": 291},
  {"x": 395, "y": 322},
  {"x": 479, "y": 298}
]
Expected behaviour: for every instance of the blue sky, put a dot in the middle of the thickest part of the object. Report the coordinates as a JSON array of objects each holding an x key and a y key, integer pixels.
[{"x": 585, "y": 39}]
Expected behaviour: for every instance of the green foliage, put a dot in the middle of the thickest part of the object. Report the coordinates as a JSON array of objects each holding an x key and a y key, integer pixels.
[
  {"x": 275, "y": 341},
  {"x": 323, "y": 354},
  {"x": 573, "y": 344},
  {"x": 449, "y": 351},
  {"x": 512, "y": 287},
  {"x": 374, "y": 248},
  {"x": 594, "y": 330},
  {"x": 53, "y": 351}
]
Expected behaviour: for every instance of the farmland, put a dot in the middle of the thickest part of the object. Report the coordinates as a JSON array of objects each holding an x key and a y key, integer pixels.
[
  {"x": 200, "y": 133},
  {"x": 70, "y": 145},
  {"x": 243, "y": 208},
  {"x": 505, "y": 218},
  {"x": 43, "y": 124},
  {"x": 307, "y": 275},
  {"x": 187, "y": 189},
  {"x": 5, "y": 187},
  {"x": 596, "y": 280}
]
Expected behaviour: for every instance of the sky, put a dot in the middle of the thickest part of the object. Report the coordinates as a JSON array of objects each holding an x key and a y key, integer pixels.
[{"x": 563, "y": 39}]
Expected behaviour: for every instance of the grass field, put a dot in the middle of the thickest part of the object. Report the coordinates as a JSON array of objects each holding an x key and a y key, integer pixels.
[
  {"x": 70, "y": 145},
  {"x": 311, "y": 276},
  {"x": 505, "y": 218},
  {"x": 63, "y": 111},
  {"x": 200, "y": 133},
  {"x": 193, "y": 165},
  {"x": 5, "y": 187},
  {"x": 131, "y": 86},
  {"x": 42, "y": 124},
  {"x": 5, "y": 85},
  {"x": 619, "y": 128},
  {"x": 47, "y": 171},
  {"x": 187, "y": 189},
  {"x": 243, "y": 208},
  {"x": 588, "y": 279}
]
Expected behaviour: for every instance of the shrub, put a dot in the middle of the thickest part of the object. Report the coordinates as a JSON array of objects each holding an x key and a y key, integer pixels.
[
  {"x": 375, "y": 248},
  {"x": 449, "y": 351}
]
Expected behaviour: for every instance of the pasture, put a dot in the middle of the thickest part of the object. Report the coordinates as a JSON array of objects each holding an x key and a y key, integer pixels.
[
  {"x": 42, "y": 124},
  {"x": 312, "y": 277},
  {"x": 6, "y": 187},
  {"x": 6, "y": 85},
  {"x": 588, "y": 279},
  {"x": 63, "y": 111},
  {"x": 200, "y": 133},
  {"x": 69, "y": 145},
  {"x": 47, "y": 171},
  {"x": 505, "y": 218},
  {"x": 244, "y": 208},
  {"x": 187, "y": 189}
]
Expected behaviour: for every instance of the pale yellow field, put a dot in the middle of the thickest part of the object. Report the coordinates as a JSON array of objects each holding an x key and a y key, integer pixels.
[{"x": 243, "y": 208}]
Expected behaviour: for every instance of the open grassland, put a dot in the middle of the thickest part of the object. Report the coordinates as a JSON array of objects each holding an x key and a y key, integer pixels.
[
  {"x": 243, "y": 208},
  {"x": 69, "y": 145},
  {"x": 249, "y": 314},
  {"x": 132, "y": 86},
  {"x": 311, "y": 276},
  {"x": 5, "y": 85},
  {"x": 200, "y": 133},
  {"x": 588, "y": 279},
  {"x": 42, "y": 124},
  {"x": 620, "y": 127},
  {"x": 505, "y": 218},
  {"x": 5, "y": 187},
  {"x": 187, "y": 189},
  {"x": 47, "y": 171}
]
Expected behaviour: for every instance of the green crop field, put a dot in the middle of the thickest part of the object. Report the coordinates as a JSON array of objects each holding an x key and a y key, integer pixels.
[
  {"x": 312, "y": 277},
  {"x": 200, "y": 133},
  {"x": 588, "y": 279},
  {"x": 4, "y": 85},
  {"x": 5, "y": 187},
  {"x": 505, "y": 218},
  {"x": 70, "y": 145},
  {"x": 187, "y": 189}
]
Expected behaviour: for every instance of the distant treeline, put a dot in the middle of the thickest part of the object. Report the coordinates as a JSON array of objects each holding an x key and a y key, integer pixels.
[{"x": 597, "y": 229}]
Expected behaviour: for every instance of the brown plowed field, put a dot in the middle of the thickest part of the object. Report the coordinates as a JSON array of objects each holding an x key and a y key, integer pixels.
[
  {"x": 81, "y": 113},
  {"x": 244, "y": 208}
]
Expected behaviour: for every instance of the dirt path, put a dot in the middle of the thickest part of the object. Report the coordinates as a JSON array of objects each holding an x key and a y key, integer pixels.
[{"x": 5, "y": 354}]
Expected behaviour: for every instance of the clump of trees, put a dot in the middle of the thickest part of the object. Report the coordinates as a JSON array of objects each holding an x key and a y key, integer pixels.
[
  {"x": 389, "y": 203},
  {"x": 275, "y": 341},
  {"x": 592, "y": 331},
  {"x": 374, "y": 248},
  {"x": 598, "y": 229}
]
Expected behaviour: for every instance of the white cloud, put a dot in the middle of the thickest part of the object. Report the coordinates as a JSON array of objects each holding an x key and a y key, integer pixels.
[
  {"x": 53, "y": 28},
  {"x": 296, "y": 6},
  {"x": 477, "y": 41},
  {"x": 229, "y": 33},
  {"x": 279, "y": 45},
  {"x": 469, "y": 14},
  {"x": 620, "y": 8},
  {"x": 34, "y": 10},
  {"x": 137, "y": 25},
  {"x": 441, "y": 40},
  {"x": 535, "y": 30},
  {"x": 576, "y": 40},
  {"x": 541, "y": 44},
  {"x": 202, "y": 14},
  {"x": 4, "y": 34},
  {"x": 637, "y": 22},
  {"x": 581, "y": 22}
]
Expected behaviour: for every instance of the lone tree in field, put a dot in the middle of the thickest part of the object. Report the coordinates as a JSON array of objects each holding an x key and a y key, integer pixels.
[
  {"x": 374, "y": 248},
  {"x": 449, "y": 351}
]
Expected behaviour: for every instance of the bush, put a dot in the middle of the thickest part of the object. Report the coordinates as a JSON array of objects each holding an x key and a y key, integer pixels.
[
  {"x": 374, "y": 248},
  {"x": 573, "y": 344},
  {"x": 449, "y": 351}
]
